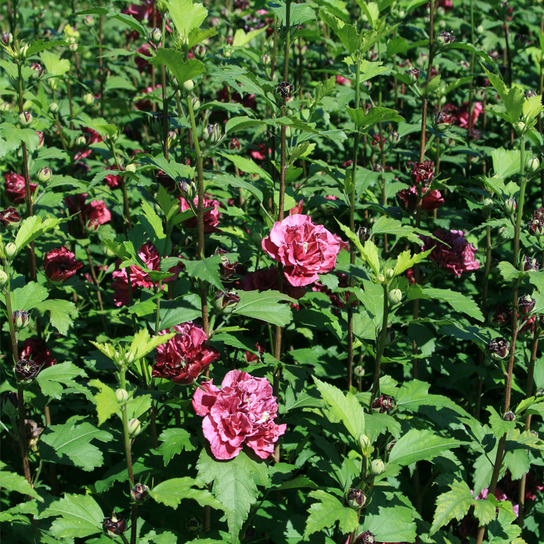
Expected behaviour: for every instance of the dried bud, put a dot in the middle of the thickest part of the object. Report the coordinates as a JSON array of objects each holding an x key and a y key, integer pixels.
[
  {"x": 377, "y": 467},
  {"x": 116, "y": 525},
  {"x": 285, "y": 90},
  {"x": 498, "y": 348},
  {"x": 526, "y": 304},
  {"x": 122, "y": 395},
  {"x": 26, "y": 371},
  {"x": 44, "y": 174},
  {"x": 25, "y": 119},
  {"x": 139, "y": 493},
  {"x": 226, "y": 302},
  {"x": 53, "y": 107},
  {"x": 445, "y": 38},
  {"x": 413, "y": 74},
  {"x": 530, "y": 264},
  {"x": 134, "y": 428},
  {"x": 193, "y": 524},
  {"x": 355, "y": 498},
  {"x": 10, "y": 250},
  {"x": 88, "y": 98},
  {"x": 188, "y": 85},
  {"x": 21, "y": 319}
]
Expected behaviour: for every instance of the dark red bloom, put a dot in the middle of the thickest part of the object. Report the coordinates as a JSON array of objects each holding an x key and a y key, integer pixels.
[
  {"x": 422, "y": 173},
  {"x": 526, "y": 304},
  {"x": 185, "y": 356},
  {"x": 536, "y": 226},
  {"x": 9, "y": 216},
  {"x": 248, "y": 100},
  {"x": 498, "y": 348},
  {"x": 252, "y": 357},
  {"x": 113, "y": 180},
  {"x": 94, "y": 213},
  {"x": 407, "y": 200},
  {"x": 143, "y": 104},
  {"x": 60, "y": 264},
  {"x": 15, "y": 187},
  {"x": 37, "y": 350},
  {"x": 26, "y": 370},
  {"x": 455, "y": 257},
  {"x": 383, "y": 404},
  {"x": 141, "y": 63},
  {"x": 115, "y": 525},
  {"x": 226, "y": 268},
  {"x": 211, "y": 217}
]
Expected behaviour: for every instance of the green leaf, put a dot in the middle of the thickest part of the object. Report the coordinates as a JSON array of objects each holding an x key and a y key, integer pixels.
[
  {"x": 70, "y": 444},
  {"x": 42, "y": 45},
  {"x": 10, "y": 481},
  {"x": 172, "y": 492},
  {"x": 143, "y": 344},
  {"x": 459, "y": 302},
  {"x": 301, "y": 150},
  {"x": 206, "y": 270},
  {"x": 532, "y": 107},
  {"x": 484, "y": 511},
  {"x": 241, "y": 38},
  {"x": 375, "y": 115},
  {"x": 505, "y": 162},
  {"x": 137, "y": 406},
  {"x": 390, "y": 226},
  {"x": 453, "y": 504},
  {"x": 52, "y": 379},
  {"x": 183, "y": 70},
  {"x": 80, "y": 516},
  {"x": 61, "y": 313},
  {"x": 54, "y": 64},
  {"x": 106, "y": 401},
  {"x": 232, "y": 181},
  {"x": 498, "y": 425},
  {"x": 174, "y": 441},
  {"x": 433, "y": 85},
  {"x": 346, "y": 407},
  {"x": 406, "y": 260},
  {"x": 153, "y": 224},
  {"x": 234, "y": 486},
  {"x": 300, "y": 13},
  {"x": 248, "y": 166},
  {"x": 118, "y": 82},
  {"x": 418, "y": 445},
  {"x": 269, "y": 306},
  {"x": 27, "y": 297},
  {"x": 327, "y": 512},
  {"x": 508, "y": 271},
  {"x": 347, "y": 33},
  {"x": 371, "y": 296},
  {"x": 512, "y": 99},
  {"x": 12, "y": 136},
  {"x": 175, "y": 170},
  {"x": 186, "y": 16},
  {"x": 31, "y": 228}
]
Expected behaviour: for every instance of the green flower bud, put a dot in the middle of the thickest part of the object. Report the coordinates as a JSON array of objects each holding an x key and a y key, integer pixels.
[
  {"x": 4, "y": 106},
  {"x": 73, "y": 47},
  {"x": 380, "y": 278},
  {"x": 533, "y": 164},
  {"x": 25, "y": 119},
  {"x": 377, "y": 467},
  {"x": 3, "y": 279},
  {"x": 189, "y": 85},
  {"x": 134, "y": 428},
  {"x": 53, "y": 107},
  {"x": 395, "y": 296},
  {"x": 122, "y": 395},
  {"x": 130, "y": 168},
  {"x": 366, "y": 448},
  {"x": 88, "y": 99},
  {"x": 10, "y": 250},
  {"x": 23, "y": 50},
  {"x": 520, "y": 127},
  {"x": 88, "y": 21},
  {"x": 21, "y": 319},
  {"x": 389, "y": 273},
  {"x": 156, "y": 35},
  {"x": 44, "y": 174}
]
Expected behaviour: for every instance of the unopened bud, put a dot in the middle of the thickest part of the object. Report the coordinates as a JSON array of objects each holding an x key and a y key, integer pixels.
[
  {"x": 356, "y": 499},
  {"x": 88, "y": 21},
  {"x": 73, "y": 47},
  {"x": 139, "y": 493},
  {"x": 44, "y": 174},
  {"x": 265, "y": 60},
  {"x": 366, "y": 448},
  {"x": 445, "y": 38},
  {"x": 226, "y": 302},
  {"x": 196, "y": 103},
  {"x": 10, "y": 250},
  {"x": 498, "y": 349},
  {"x": 156, "y": 36},
  {"x": 4, "y": 106},
  {"x": 380, "y": 278},
  {"x": 122, "y": 395},
  {"x": 25, "y": 119},
  {"x": 377, "y": 467},
  {"x": 359, "y": 371},
  {"x": 116, "y": 525},
  {"x": 134, "y": 428},
  {"x": 533, "y": 164},
  {"x": 509, "y": 416},
  {"x": 212, "y": 134},
  {"x": 7, "y": 38},
  {"x": 413, "y": 75},
  {"x": 88, "y": 98},
  {"x": 389, "y": 273},
  {"x": 53, "y": 107},
  {"x": 511, "y": 205},
  {"x": 393, "y": 137},
  {"x": 395, "y": 296},
  {"x": 188, "y": 85},
  {"x": 21, "y": 319},
  {"x": 193, "y": 525},
  {"x": 23, "y": 50},
  {"x": 520, "y": 127},
  {"x": 130, "y": 168},
  {"x": 526, "y": 304},
  {"x": 3, "y": 279},
  {"x": 200, "y": 51}
]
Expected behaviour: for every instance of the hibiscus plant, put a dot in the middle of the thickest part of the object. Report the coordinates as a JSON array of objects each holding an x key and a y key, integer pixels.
[{"x": 271, "y": 271}]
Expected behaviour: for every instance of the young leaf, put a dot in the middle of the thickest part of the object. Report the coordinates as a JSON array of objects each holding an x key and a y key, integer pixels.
[
  {"x": 347, "y": 33},
  {"x": 346, "y": 407},
  {"x": 15, "y": 482},
  {"x": 106, "y": 401},
  {"x": 418, "y": 445},
  {"x": 31, "y": 228},
  {"x": 54, "y": 64},
  {"x": 453, "y": 504},
  {"x": 27, "y": 297},
  {"x": 11, "y": 138},
  {"x": 206, "y": 270},
  {"x": 143, "y": 344},
  {"x": 51, "y": 380},
  {"x": 327, "y": 512},
  {"x": 183, "y": 70},
  {"x": 375, "y": 115},
  {"x": 406, "y": 260},
  {"x": 186, "y": 16},
  {"x": 174, "y": 441},
  {"x": 172, "y": 492}
]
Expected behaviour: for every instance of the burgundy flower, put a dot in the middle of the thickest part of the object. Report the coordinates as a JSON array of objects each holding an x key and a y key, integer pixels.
[
  {"x": 113, "y": 180},
  {"x": 185, "y": 356},
  {"x": 252, "y": 357},
  {"x": 455, "y": 257},
  {"x": 304, "y": 249},
  {"x": 526, "y": 304},
  {"x": 384, "y": 404},
  {"x": 241, "y": 412},
  {"x": 94, "y": 213},
  {"x": 462, "y": 116},
  {"x": 141, "y": 63},
  {"x": 9, "y": 216},
  {"x": 536, "y": 225},
  {"x": 530, "y": 264},
  {"x": 498, "y": 348},
  {"x": 115, "y": 525},
  {"x": 211, "y": 216},
  {"x": 26, "y": 370},
  {"x": 36, "y": 349},
  {"x": 91, "y": 137},
  {"x": 60, "y": 264},
  {"x": 422, "y": 173},
  {"x": 226, "y": 268},
  {"x": 15, "y": 187},
  {"x": 248, "y": 100},
  {"x": 528, "y": 325},
  {"x": 356, "y": 498},
  {"x": 407, "y": 200}
]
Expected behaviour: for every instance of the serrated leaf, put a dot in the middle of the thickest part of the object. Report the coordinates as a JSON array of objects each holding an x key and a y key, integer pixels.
[
  {"x": 269, "y": 306},
  {"x": 54, "y": 64},
  {"x": 172, "y": 492},
  {"x": 174, "y": 441},
  {"x": 206, "y": 270},
  {"x": 238, "y": 183},
  {"x": 70, "y": 444},
  {"x": 137, "y": 406},
  {"x": 433, "y": 85},
  {"x": 31, "y": 228},
  {"x": 27, "y": 297},
  {"x": 61, "y": 313},
  {"x": 406, "y": 260},
  {"x": 143, "y": 343},
  {"x": 484, "y": 511},
  {"x": 346, "y": 407},
  {"x": 42, "y": 45},
  {"x": 183, "y": 70},
  {"x": 347, "y": 33},
  {"x": 106, "y": 401},
  {"x": 301, "y": 150},
  {"x": 300, "y": 13},
  {"x": 390, "y": 226},
  {"x": 234, "y": 486},
  {"x": 498, "y": 425},
  {"x": 453, "y": 504},
  {"x": 327, "y": 511},
  {"x": 10, "y": 481},
  {"x": 508, "y": 271},
  {"x": 418, "y": 445},
  {"x": 54, "y": 379},
  {"x": 12, "y": 136},
  {"x": 248, "y": 166},
  {"x": 241, "y": 38},
  {"x": 80, "y": 516},
  {"x": 375, "y": 115},
  {"x": 186, "y": 16}
]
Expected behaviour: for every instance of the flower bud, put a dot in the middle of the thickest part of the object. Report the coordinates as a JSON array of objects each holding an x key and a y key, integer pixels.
[
  {"x": 10, "y": 402},
  {"x": 488, "y": 206},
  {"x": 10, "y": 217},
  {"x": 188, "y": 85},
  {"x": 21, "y": 319},
  {"x": 413, "y": 75},
  {"x": 130, "y": 168},
  {"x": 364, "y": 234},
  {"x": 539, "y": 392},
  {"x": 81, "y": 141},
  {"x": 53, "y": 107},
  {"x": 359, "y": 371},
  {"x": 520, "y": 127},
  {"x": 88, "y": 99},
  {"x": 366, "y": 447},
  {"x": 393, "y": 137},
  {"x": 445, "y": 38},
  {"x": 3, "y": 279},
  {"x": 200, "y": 51},
  {"x": 377, "y": 467},
  {"x": 380, "y": 278},
  {"x": 395, "y": 296},
  {"x": 116, "y": 525},
  {"x": 10, "y": 250},
  {"x": 533, "y": 164},
  {"x": 355, "y": 498},
  {"x": 73, "y": 47},
  {"x": 88, "y": 21},
  {"x": 226, "y": 302},
  {"x": 193, "y": 524},
  {"x": 530, "y": 264},
  {"x": 498, "y": 349},
  {"x": 25, "y": 119},
  {"x": 511, "y": 205},
  {"x": 37, "y": 70},
  {"x": 384, "y": 404},
  {"x": 7, "y": 38},
  {"x": 44, "y": 174},
  {"x": 196, "y": 103},
  {"x": 211, "y": 134},
  {"x": 265, "y": 60},
  {"x": 389, "y": 273},
  {"x": 366, "y": 538},
  {"x": 526, "y": 304},
  {"x": 23, "y": 50},
  {"x": 509, "y": 416},
  {"x": 122, "y": 395},
  {"x": 26, "y": 371},
  {"x": 139, "y": 493},
  {"x": 234, "y": 145},
  {"x": 156, "y": 36},
  {"x": 4, "y": 107},
  {"x": 134, "y": 428}
]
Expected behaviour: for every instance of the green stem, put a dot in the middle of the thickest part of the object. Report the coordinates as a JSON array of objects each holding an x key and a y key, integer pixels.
[
  {"x": 381, "y": 346},
  {"x": 165, "y": 123}
]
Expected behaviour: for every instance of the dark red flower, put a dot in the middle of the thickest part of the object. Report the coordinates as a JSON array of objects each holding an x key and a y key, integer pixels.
[
  {"x": 141, "y": 63},
  {"x": 422, "y": 173},
  {"x": 248, "y": 100},
  {"x": 26, "y": 370},
  {"x": 226, "y": 268},
  {"x": 15, "y": 187},
  {"x": 384, "y": 404},
  {"x": 94, "y": 213},
  {"x": 266, "y": 279},
  {"x": 60, "y": 264},
  {"x": 185, "y": 356},
  {"x": 211, "y": 216},
  {"x": 455, "y": 257},
  {"x": 36, "y": 349},
  {"x": 113, "y": 180},
  {"x": 144, "y": 104},
  {"x": 115, "y": 525},
  {"x": 9, "y": 216}
]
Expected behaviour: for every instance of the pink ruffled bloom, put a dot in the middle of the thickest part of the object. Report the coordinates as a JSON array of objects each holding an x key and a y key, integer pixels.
[
  {"x": 211, "y": 217},
  {"x": 455, "y": 257},
  {"x": 241, "y": 412},
  {"x": 183, "y": 358},
  {"x": 15, "y": 187},
  {"x": 94, "y": 213},
  {"x": 304, "y": 249}
]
